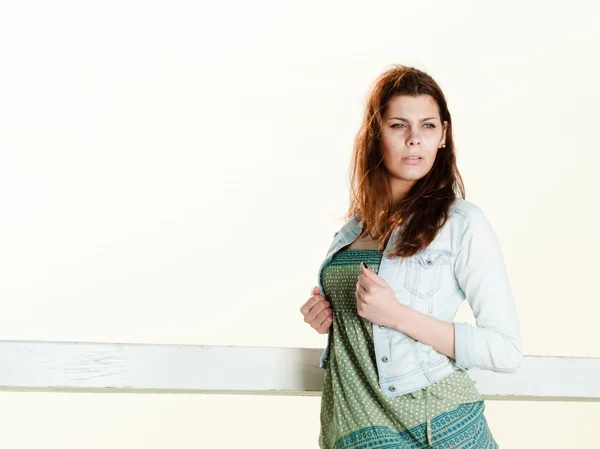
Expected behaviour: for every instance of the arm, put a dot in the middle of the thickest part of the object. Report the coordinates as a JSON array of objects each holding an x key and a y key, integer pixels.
[
  {"x": 426, "y": 329},
  {"x": 495, "y": 343}
]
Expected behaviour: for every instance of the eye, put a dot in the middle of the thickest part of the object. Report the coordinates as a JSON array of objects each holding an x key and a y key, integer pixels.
[{"x": 428, "y": 125}]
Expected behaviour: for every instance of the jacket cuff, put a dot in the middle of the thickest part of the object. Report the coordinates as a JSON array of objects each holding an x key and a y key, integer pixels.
[{"x": 462, "y": 337}]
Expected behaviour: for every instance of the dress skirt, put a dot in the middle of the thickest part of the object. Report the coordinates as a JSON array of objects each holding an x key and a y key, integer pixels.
[{"x": 356, "y": 414}]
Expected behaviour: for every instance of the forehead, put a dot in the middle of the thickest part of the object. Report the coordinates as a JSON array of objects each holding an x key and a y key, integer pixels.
[{"x": 406, "y": 105}]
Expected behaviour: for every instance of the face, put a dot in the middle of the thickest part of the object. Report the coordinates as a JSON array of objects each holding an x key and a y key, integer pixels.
[{"x": 411, "y": 127}]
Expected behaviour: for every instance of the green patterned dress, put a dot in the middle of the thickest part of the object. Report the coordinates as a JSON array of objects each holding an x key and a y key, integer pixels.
[{"x": 356, "y": 414}]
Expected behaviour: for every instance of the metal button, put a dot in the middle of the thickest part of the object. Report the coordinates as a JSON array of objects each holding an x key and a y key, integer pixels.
[
  {"x": 385, "y": 358},
  {"x": 392, "y": 388},
  {"x": 382, "y": 326},
  {"x": 428, "y": 262}
]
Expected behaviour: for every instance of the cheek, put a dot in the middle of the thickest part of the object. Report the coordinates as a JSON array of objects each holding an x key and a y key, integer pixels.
[
  {"x": 392, "y": 146},
  {"x": 389, "y": 148},
  {"x": 389, "y": 142}
]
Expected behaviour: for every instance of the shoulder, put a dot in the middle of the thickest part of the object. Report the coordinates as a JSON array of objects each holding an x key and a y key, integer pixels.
[
  {"x": 473, "y": 223},
  {"x": 463, "y": 208},
  {"x": 468, "y": 215}
]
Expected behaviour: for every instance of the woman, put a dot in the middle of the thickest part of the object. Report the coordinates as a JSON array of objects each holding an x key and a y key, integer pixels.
[{"x": 396, "y": 363}]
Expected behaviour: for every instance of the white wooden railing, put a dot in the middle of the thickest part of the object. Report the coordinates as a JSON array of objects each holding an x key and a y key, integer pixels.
[{"x": 153, "y": 368}]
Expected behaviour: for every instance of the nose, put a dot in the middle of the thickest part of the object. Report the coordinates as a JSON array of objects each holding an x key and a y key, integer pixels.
[{"x": 414, "y": 139}]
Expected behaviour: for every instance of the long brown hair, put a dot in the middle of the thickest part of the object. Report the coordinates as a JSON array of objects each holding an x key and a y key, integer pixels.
[{"x": 425, "y": 209}]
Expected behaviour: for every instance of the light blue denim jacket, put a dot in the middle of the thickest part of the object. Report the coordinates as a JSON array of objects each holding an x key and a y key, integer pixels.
[{"x": 465, "y": 259}]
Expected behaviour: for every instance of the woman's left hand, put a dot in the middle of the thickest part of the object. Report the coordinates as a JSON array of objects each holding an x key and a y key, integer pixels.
[{"x": 375, "y": 299}]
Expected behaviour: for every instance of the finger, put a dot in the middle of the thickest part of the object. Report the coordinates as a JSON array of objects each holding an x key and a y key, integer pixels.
[
  {"x": 324, "y": 328},
  {"x": 321, "y": 317},
  {"x": 310, "y": 303},
  {"x": 315, "y": 310},
  {"x": 372, "y": 275},
  {"x": 316, "y": 291},
  {"x": 359, "y": 288},
  {"x": 366, "y": 282}
]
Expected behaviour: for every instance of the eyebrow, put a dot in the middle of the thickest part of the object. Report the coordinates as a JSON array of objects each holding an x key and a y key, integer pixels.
[{"x": 406, "y": 120}]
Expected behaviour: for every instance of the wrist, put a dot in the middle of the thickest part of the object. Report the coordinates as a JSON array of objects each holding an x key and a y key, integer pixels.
[{"x": 400, "y": 317}]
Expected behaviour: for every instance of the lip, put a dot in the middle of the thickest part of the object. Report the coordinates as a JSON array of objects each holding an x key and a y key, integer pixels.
[{"x": 411, "y": 161}]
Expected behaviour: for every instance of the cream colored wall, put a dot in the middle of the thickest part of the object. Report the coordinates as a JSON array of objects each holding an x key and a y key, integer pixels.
[{"x": 172, "y": 172}]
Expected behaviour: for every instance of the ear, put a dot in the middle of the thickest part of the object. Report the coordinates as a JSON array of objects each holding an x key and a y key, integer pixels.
[{"x": 444, "y": 133}]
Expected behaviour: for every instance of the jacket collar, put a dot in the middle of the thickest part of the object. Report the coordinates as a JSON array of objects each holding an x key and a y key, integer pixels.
[
  {"x": 351, "y": 230},
  {"x": 354, "y": 226}
]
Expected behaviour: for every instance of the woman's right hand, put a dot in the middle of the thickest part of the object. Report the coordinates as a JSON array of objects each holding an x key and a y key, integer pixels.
[{"x": 317, "y": 312}]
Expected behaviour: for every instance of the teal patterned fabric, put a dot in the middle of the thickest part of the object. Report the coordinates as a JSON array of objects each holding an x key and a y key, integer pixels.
[{"x": 464, "y": 427}]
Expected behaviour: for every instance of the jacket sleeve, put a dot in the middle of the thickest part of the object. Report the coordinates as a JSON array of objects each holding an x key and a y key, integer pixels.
[{"x": 495, "y": 342}]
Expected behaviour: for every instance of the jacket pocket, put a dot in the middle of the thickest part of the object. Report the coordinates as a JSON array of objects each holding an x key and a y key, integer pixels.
[
  {"x": 424, "y": 272},
  {"x": 427, "y": 353},
  {"x": 403, "y": 359}
]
